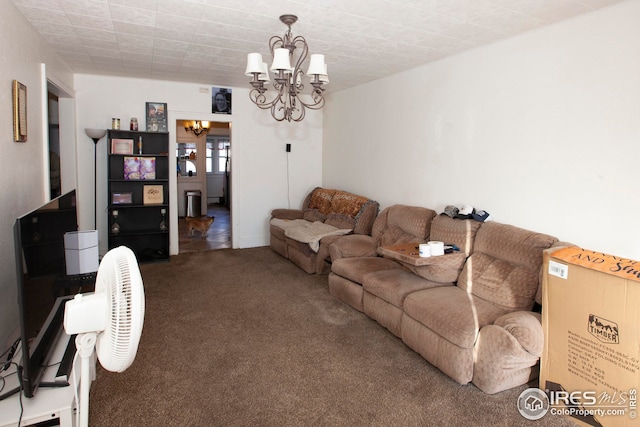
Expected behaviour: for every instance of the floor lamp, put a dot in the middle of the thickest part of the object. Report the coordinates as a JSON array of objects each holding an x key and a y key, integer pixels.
[{"x": 96, "y": 135}]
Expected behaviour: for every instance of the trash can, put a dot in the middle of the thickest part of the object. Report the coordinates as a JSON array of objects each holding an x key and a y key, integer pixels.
[{"x": 193, "y": 204}]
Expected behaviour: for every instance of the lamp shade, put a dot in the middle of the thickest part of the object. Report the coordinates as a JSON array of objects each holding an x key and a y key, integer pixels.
[
  {"x": 281, "y": 60},
  {"x": 95, "y": 133},
  {"x": 316, "y": 65},
  {"x": 324, "y": 78},
  {"x": 264, "y": 75},
  {"x": 254, "y": 64}
]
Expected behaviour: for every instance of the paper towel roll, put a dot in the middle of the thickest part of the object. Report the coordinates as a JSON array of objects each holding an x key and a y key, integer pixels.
[
  {"x": 425, "y": 250},
  {"x": 437, "y": 248}
]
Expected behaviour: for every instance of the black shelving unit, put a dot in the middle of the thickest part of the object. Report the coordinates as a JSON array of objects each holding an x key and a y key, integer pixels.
[{"x": 139, "y": 218}]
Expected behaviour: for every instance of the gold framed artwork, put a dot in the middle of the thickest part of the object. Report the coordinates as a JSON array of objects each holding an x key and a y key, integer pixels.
[{"x": 19, "y": 112}]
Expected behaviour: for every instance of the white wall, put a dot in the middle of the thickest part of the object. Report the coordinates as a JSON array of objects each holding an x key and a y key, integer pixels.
[
  {"x": 24, "y": 165},
  {"x": 541, "y": 130},
  {"x": 259, "y": 160}
]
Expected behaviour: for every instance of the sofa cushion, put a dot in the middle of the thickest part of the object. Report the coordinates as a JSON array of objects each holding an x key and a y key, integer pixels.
[
  {"x": 513, "y": 244},
  {"x": 354, "y": 269},
  {"x": 505, "y": 266},
  {"x": 400, "y": 224},
  {"x": 353, "y": 245},
  {"x": 451, "y": 313},
  {"x": 394, "y": 285},
  {"x": 340, "y": 221},
  {"x": 508, "y": 285},
  {"x": 313, "y": 215},
  {"x": 459, "y": 232}
]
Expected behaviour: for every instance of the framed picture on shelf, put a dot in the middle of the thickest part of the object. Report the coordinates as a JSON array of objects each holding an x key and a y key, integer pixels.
[
  {"x": 153, "y": 194},
  {"x": 121, "y": 198},
  {"x": 156, "y": 116},
  {"x": 121, "y": 146},
  {"x": 19, "y": 112},
  {"x": 220, "y": 100}
]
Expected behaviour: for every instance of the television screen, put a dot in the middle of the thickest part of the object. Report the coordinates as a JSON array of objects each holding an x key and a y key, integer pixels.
[{"x": 43, "y": 286}]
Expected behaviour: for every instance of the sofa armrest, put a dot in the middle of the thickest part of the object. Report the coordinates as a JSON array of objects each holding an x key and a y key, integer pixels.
[
  {"x": 353, "y": 245},
  {"x": 507, "y": 352},
  {"x": 287, "y": 213},
  {"x": 526, "y": 328}
]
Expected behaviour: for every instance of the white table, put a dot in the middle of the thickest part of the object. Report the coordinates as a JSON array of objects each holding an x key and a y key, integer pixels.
[{"x": 49, "y": 402}]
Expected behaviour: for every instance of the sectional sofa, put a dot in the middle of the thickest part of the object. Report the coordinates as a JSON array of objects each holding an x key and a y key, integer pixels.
[{"x": 472, "y": 312}]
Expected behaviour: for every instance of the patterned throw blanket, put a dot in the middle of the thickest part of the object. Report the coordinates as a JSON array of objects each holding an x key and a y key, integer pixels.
[
  {"x": 308, "y": 232},
  {"x": 328, "y": 201}
]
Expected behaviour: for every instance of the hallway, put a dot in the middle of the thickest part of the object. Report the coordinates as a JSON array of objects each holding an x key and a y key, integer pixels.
[{"x": 218, "y": 237}]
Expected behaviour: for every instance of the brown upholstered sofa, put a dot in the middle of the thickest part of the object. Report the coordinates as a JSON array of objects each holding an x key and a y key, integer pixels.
[
  {"x": 468, "y": 313},
  {"x": 336, "y": 212},
  {"x": 353, "y": 257}
]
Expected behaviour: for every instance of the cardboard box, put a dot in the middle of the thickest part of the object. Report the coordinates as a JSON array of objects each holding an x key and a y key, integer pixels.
[
  {"x": 81, "y": 252},
  {"x": 590, "y": 365}
]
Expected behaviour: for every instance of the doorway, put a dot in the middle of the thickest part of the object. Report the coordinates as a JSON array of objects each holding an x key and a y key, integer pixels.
[
  {"x": 203, "y": 186},
  {"x": 59, "y": 151},
  {"x": 55, "y": 182}
]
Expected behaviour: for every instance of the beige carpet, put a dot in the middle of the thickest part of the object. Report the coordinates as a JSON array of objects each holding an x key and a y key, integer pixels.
[{"x": 245, "y": 338}]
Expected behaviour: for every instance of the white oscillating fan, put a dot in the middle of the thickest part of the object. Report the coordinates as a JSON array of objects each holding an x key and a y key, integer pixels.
[{"x": 109, "y": 319}]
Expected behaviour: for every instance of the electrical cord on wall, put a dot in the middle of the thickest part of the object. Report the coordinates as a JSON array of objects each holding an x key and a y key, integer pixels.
[{"x": 288, "y": 183}]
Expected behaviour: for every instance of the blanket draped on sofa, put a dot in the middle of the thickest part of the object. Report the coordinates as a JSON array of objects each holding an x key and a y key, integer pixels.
[{"x": 308, "y": 232}]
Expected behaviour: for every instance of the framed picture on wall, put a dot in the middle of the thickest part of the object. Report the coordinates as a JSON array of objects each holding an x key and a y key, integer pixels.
[
  {"x": 220, "y": 100},
  {"x": 156, "y": 116},
  {"x": 19, "y": 112}
]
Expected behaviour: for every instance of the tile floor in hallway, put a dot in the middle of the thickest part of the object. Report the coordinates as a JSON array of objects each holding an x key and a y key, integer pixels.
[{"x": 218, "y": 237}]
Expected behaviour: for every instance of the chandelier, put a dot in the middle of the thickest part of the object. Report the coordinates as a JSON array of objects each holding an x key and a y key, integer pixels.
[
  {"x": 288, "y": 102},
  {"x": 197, "y": 127}
]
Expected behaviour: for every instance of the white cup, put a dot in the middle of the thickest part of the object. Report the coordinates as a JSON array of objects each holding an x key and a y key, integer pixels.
[
  {"x": 437, "y": 248},
  {"x": 424, "y": 250}
]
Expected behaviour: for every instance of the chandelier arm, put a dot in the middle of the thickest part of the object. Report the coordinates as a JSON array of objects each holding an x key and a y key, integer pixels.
[
  {"x": 260, "y": 99},
  {"x": 318, "y": 101},
  {"x": 275, "y": 42}
]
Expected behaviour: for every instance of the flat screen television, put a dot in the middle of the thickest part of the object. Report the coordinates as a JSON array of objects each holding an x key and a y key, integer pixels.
[{"x": 43, "y": 287}]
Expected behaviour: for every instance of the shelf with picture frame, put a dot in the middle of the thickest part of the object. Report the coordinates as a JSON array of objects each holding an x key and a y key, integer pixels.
[{"x": 138, "y": 205}]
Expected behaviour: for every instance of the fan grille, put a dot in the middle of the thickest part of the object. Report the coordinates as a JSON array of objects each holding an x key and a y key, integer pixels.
[{"x": 120, "y": 278}]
